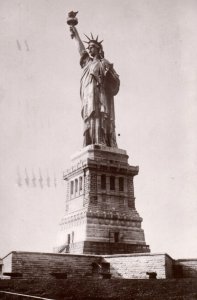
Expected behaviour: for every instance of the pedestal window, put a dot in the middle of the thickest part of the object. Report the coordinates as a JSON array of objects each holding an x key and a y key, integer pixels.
[
  {"x": 71, "y": 187},
  {"x": 121, "y": 184},
  {"x": 80, "y": 183},
  {"x": 103, "y": 182},
  {"x": 112, "y": 183}
]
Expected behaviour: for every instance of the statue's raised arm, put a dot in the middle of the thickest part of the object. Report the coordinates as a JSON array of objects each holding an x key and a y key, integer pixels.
[
  {"x": 99, "y": 84},
  {"x": 76, "y": 36},
  {"x": 73, "y": 21}
]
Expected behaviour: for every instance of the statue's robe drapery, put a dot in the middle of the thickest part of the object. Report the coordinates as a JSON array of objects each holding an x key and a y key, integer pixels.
[{"x": 99, "y": 84}]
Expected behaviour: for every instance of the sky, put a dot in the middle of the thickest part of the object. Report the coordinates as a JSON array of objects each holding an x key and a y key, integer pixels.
[{"x": 153, "y": 46}]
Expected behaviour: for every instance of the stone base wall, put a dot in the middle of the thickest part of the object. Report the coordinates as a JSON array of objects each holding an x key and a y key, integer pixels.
[
  {"x": 136, "y": 266},
  {"x": 185, "y": 268},
  {"x": 128, "y": 266},
  {"x": 43, "y": 265},
  {"x": 169, "y": 263}
]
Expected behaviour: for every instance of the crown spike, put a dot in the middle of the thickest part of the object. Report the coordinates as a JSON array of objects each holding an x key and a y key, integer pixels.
[
  {"x": 100, "y": 42},
  {"x": 92, "y": 36},
  {"x": 97, "y": 38},
  {"x": 87, "y": 37}
]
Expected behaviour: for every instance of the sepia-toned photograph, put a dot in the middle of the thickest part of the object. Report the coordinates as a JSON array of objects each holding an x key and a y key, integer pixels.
[{"x": 98, "y": 151}]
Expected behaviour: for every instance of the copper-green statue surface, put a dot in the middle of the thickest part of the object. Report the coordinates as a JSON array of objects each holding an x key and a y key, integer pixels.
[{"x": 99, "y": 84}]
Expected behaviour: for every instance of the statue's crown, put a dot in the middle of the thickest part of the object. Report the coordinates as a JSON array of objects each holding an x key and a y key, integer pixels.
[{"x": 93, "y": 40}]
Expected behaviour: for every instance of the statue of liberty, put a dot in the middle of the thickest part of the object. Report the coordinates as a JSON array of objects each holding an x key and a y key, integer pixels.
[{"x": 99, "y": 84}]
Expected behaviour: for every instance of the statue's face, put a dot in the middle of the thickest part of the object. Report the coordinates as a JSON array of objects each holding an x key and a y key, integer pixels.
[{"x": 93, "y": 50}]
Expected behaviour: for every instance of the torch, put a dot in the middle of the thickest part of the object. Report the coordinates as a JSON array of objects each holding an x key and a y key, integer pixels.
[{"x": 72, "y": 21}]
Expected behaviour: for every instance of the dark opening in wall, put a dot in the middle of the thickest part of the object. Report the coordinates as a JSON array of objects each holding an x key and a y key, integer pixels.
[
  {"x": 76, "y": 185},
  {"x": 69, "y": 239},
  {"x": 80, "y": 183},
  {"x": 121, "y": 184},
  {"x": 72, "y": 187},
  {"x": 112, "y": 183},
  {"x": 116, "y": 237},
  {"x": 103, "y": 182}
]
